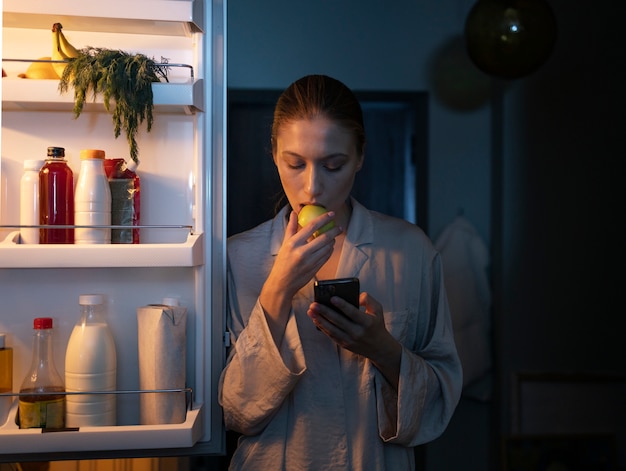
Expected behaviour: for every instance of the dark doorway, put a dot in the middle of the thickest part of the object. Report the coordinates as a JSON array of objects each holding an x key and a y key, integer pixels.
[{"x": 393, "y": 179}]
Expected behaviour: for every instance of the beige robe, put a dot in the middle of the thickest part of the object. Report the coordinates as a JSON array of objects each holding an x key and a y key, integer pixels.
[{"x": 312, "y": 405}]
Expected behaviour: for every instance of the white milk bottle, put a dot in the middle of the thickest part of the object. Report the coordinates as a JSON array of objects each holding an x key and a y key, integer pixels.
[
  {"x": 91, "y": 365},
  {"x": 92, "y": 200}
]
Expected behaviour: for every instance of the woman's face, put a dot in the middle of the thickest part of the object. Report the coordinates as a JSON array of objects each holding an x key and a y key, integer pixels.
[{"x": 317, "y": 161}]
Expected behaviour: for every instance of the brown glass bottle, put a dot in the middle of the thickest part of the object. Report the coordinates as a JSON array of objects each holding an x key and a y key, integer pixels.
[{"x": 39, "y": 406}]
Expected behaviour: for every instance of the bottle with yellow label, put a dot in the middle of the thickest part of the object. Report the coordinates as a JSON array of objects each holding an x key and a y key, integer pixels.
[{"x": 42, "y": 394}]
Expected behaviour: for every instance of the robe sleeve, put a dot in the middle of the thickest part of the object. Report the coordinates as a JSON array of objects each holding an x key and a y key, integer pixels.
[
  {"x": 258, "y": 376},
  {"x": 430, "y": 375}
]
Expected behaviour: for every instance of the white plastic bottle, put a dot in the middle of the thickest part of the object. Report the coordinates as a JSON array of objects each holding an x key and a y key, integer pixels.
[
  {"x": 29, "y": 201},
  {"x": 92, "y": 200},
  {"x": 91, "y": 365}
]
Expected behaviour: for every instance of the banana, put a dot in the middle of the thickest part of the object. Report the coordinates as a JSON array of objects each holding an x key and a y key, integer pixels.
[
  {"x": 61, "y": 49},
  {"x": 40, "y": 70}
]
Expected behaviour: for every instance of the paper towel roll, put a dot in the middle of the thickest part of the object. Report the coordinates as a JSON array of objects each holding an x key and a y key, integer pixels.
[{"x": 162, "y": 362}]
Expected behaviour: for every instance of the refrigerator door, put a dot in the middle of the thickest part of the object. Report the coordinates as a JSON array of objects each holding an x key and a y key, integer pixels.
[{"x": 182, "y": 249}]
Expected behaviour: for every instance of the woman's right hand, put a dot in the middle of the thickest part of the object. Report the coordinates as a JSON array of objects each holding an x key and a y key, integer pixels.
[{"x": 298, "y": 260}]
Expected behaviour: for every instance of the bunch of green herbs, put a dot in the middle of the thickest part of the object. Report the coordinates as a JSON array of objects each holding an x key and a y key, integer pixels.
[{"x": 119, "y": 76}]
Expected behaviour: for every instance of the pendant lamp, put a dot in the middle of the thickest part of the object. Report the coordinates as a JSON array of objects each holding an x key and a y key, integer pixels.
[{"x": 510, "y": 38}]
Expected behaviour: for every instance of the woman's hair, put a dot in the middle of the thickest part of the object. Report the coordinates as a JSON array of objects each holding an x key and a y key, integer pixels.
[{"x": 320, "y": 95}]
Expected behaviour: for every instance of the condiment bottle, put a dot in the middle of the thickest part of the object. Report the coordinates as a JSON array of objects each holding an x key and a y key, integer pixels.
[
  {"x": 6, "y": 377},
  {"x": 125, "y": 199},
  {"x": 91, "y": 365},
  {"x": 56, "y": 198},
  {"x": 92, "y": 200},
  {"x": 43, "y": 406},
  {"x": 29, "y": 201}
]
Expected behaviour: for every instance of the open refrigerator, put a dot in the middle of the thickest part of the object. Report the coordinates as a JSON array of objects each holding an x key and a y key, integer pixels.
[{"x": 182, "y": 249}]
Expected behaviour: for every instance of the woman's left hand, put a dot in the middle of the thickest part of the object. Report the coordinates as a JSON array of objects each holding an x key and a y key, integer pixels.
[{"x": 361, "y": 331}]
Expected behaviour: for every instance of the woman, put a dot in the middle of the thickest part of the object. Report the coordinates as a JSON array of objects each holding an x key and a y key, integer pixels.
[{"x": 307, "y": 387}]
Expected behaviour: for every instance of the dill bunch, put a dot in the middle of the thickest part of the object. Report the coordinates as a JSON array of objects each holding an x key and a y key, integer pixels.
[{"x": 126, "y": 79}]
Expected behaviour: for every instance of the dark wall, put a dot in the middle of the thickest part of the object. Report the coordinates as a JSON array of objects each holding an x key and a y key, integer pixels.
[{"x": 560, "y": 303}]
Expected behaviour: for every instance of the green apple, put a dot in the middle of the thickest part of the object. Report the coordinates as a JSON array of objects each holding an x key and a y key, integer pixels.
[{"x": 310, "y": 212}]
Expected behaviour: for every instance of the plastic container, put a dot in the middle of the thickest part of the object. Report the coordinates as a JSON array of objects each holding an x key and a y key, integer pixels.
[
  {"x": 91, "y": 365},
  {"x": 125, "y": 199},
  {"x": 92, "y": 200},
  {"x": 56, "y": 198},
  {"x": 6, "y": 377},
  {"x": 45, "y": 408},
  {"x": 29, "y": 201}
]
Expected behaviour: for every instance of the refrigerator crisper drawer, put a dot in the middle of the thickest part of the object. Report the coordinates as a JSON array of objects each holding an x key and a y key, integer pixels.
[{"x": 121, "y": 437}]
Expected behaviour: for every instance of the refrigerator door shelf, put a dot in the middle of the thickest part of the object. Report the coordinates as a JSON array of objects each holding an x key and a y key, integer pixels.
[
  {"x": 168, "y": 17},
  {"x": 125, "y": 437},
  {"x": 43, "y": 95},
  {"x": 189, "y": 253}
]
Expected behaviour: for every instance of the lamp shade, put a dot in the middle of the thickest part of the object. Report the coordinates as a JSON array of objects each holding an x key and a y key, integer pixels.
[{"x": 510, "y": 38}]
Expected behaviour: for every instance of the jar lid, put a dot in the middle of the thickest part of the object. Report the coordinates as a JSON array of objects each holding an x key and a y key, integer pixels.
[
  {"x": 42, "y": 323},
  {"x": 56, "y": 151},
  {"x": 91, "y": 154},
  {"x": 90, "y": 299},
  {"x": 132, "y": 165}
]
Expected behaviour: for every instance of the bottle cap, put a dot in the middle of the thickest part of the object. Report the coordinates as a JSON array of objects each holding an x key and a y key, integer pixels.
[
  {"x": 91, "y": 154},
  {"x": 170, "y": 301},
  {"x": 90, "y": 299},
  {"x": 56, "y": 152},
  {"x": 132, "y": 165},
  {"x": 33, "y": 164},
  {"x": 2, "y": 336},
  {"x": 42, "y": 323}
]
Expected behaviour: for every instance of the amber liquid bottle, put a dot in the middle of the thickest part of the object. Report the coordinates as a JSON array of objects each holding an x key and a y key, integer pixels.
[
  {"x": 40, "y": 404},
  {"x": 6, "y": 378},
  {"x": 56, "y": 198},
  {"x": 6, "y": 366}
]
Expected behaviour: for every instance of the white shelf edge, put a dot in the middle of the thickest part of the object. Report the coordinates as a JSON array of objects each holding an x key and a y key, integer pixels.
[
  {"x": 123, "y": 437},
  {"x": 186, "y": 254},
  {"x": 43, "y": 95},
  {"x": 162, "y": 17}
]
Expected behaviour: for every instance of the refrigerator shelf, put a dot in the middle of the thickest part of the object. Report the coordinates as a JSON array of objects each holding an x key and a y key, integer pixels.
[
  {"x": 163, "y": 17},
  {"x": 14, "y": 440},
  {"x": 43, "y": 95},
  {"x": 189, "y": 253}
]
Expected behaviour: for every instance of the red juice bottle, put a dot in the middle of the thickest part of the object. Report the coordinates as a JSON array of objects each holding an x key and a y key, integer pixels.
[{"x": 56, "y": 198}]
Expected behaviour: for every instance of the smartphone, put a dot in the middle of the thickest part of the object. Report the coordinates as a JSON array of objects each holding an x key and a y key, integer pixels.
[{"x": 345, "y": 288}]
